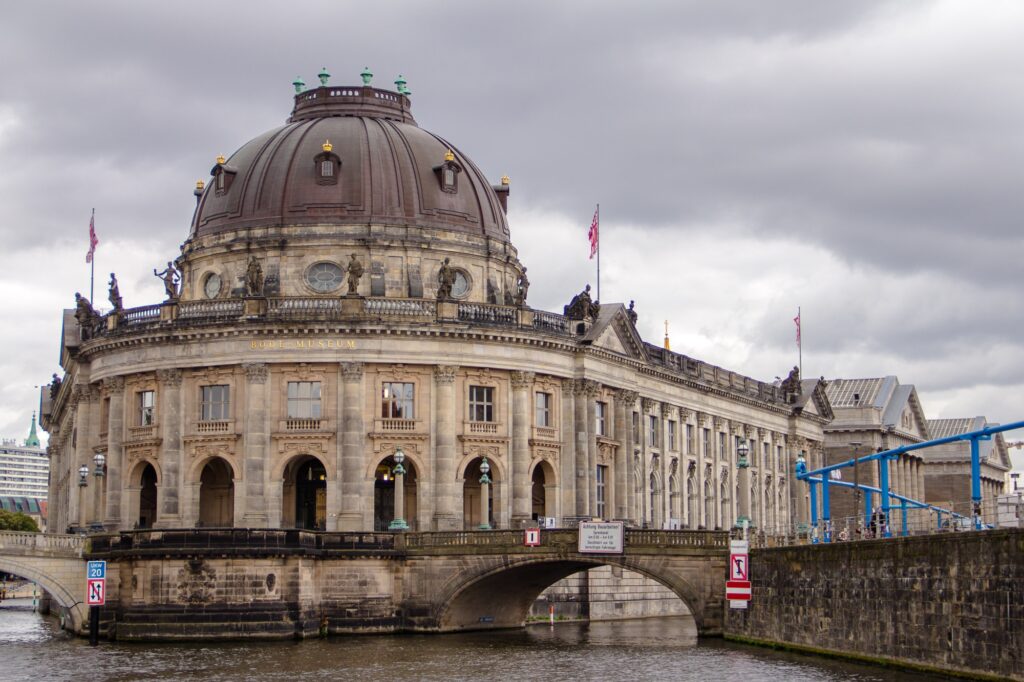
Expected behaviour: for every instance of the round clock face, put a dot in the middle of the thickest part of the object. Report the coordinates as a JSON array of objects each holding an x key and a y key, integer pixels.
[
  {"x": 211, "y": 287},
  {"x": 461, "y": 286},
  {"x": 324, "y": 277}
]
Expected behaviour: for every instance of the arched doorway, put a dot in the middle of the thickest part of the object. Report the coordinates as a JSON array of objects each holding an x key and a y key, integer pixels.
[
  {"x": 709, "y": 501},
  {"x": 216, "y": 494},
  {"x": 544, "y": 492},
  {"x": 471, "y": 495},
  {"x": 304, "y": 494},
  {"x": 693, "y": 503},
  {"x": 656, "y": 520},
  {"x": 147, "y": 497},
  {"x": 384, "y": 494}
]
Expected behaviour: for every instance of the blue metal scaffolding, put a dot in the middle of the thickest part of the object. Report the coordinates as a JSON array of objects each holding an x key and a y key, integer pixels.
[{"x": 822, "y": 477}]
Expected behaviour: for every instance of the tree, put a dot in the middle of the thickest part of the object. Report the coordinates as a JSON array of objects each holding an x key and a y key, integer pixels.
[{"x": 17, "y": 521}]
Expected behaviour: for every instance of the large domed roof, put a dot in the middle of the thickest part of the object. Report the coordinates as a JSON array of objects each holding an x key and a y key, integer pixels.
[{"x": 383, "y": 169}]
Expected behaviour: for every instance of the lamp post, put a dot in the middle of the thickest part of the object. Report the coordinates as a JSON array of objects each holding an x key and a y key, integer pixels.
[
  {"x": 100, "y": 460},
  {"x": 743, "y": 464},
  {"x": 83, "y": 481},
  {"x": 399, "y": 522},
  {"x": 485, "y": 490}
]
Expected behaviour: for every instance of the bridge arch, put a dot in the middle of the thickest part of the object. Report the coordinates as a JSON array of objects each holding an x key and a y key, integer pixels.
[
  {"x": 500, "y": 596},
  {"x": 65, "y": 595}
]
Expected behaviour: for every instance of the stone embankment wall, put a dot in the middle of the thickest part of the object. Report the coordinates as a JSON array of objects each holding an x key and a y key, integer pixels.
[
  {"x": 953, "y": 601},
  {"x": 608, "y": 593}
]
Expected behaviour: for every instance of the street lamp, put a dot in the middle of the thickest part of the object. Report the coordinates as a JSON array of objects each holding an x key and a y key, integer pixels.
[
  {"x": 99, "y": 459},
  {"x": 83, "y": 475},
  {"x": 485, "y": 488},
  {"x": 743, "y": 464},
  {"x": 399, "y": 522}
]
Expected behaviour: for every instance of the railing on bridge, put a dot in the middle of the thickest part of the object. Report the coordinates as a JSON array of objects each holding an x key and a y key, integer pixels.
[
  {"x": 822, "y": 476},
  {"x": 41, "y": 543}
]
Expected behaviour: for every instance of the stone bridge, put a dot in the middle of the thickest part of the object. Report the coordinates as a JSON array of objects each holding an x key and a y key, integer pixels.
[
  {"x": 225, "y": 583},
  {"x": 54, "y": 562}
]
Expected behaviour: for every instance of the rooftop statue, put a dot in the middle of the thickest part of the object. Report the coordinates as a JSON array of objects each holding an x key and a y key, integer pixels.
[
  {"x": 522, "y": 287},
  {"x": 115, "y": 294},
  {"x": 791, "y": 385},
  {"x": 631, "y": 312},
  {"x": 254, "y": 278},
  {"x": 355, "y": 271},
  {"x": 445, "y": 281},
  {"x": 171, "y": 277},
  {"x": 581, "y": 307},
  {"x": 86, "y": 315}
]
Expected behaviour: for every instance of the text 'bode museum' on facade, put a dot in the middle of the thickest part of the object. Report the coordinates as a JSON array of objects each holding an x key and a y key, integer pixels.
[{"x": 348, "y": 291}]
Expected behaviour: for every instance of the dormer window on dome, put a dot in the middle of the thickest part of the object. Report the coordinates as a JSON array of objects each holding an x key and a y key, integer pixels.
[
  {"x": 327, "y": 165},
  {"x": 448, "y": 173},
  {"x": 223, "y": 176}
]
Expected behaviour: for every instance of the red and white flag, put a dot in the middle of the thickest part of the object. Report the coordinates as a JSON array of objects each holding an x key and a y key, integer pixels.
[
  {"x": 796, "y": 320},
  {"x": 593, "y": 235},
  {"x": 93, "y": 241}
]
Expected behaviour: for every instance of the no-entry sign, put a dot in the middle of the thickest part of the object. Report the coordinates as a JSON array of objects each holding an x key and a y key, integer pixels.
[{"x": 737, "y": 590}]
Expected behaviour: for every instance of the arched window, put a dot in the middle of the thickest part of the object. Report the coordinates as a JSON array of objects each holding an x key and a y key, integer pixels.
[{"x": 327, "y": 165}]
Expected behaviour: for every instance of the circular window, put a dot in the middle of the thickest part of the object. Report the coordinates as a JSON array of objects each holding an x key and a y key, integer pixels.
[
  {"x": 324, "y": 277},
  {"x": 211, "y": 285},
  {"x": 461, "y": 286}
]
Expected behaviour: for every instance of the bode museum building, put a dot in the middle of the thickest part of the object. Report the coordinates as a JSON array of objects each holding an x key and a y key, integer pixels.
[{"x": 349, "y": 295}]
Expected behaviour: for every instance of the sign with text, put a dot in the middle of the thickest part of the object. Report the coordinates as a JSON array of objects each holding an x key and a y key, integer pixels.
[
  {"x": 532, "y": 537},
  {"x": 598, "y": 537},
  {"x": 95, "y": 569},
  {"x": 96, "y": 592}
]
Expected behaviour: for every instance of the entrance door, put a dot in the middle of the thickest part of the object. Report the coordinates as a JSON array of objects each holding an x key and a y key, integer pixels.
[
  {"x": 311, "y": 495},
  {"x": 147, "y": 498}
]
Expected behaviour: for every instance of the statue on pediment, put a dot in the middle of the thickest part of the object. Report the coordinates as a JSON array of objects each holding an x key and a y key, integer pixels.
[
  {"x": 631, "y": 312},
  {"x": 581, "y": 307},
  {"x": 791, "y": 386}
]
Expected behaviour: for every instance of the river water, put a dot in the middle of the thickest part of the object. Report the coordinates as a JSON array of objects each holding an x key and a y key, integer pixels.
[{"x": 32, "y": 647}]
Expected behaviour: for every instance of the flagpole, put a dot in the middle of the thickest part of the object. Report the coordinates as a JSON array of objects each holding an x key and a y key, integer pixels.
[
  {"x": 800, "y": 345},
  {"x": 598, "y": 252},
  {"x": 92, "y": 261}
]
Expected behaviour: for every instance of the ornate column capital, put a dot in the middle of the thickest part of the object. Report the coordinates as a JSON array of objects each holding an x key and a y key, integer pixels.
[
  {"x": 647, "y": 403},
  {"x": 169, "y": 377},
  {"x": 761, "y": 433},
  {"x": 522, "y": 379},
  {"x": 568, "y": 385},
  {"x": 666, "y": 409},
  {"x": 352, "y": 371},
  {"x": 445, "y": 374},
  {"x": 113, "y": 384},
  {"x": 255, "y": 372},
  {"x": 627, "y": 397},
  {"x": 591, "y": 387},
  {"x": 718, "y": 423}
]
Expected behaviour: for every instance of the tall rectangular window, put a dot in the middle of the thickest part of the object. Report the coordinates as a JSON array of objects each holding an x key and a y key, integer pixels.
[
  {"x": 766, "y": 457},
  {"x": 636, "y": 428},
  {"x": 146, "y": 404},
  {"x": 215, "y": 403},
  {"x": 690, "y": 449},
  {"x": 707, "y": 442},
  {"x": 721, "y": 445},
  {"x": 543, "y": 408},
  {"x": 652, "y": 431},
  {"x": 602, "y": 421},
  {"x": 303, "y": 399},
  {"x": 397, "y": 400},
  {"x": 671, "y": 434},
  {"x": 602, "y": 476},
  {"x": 778, "y": 456},
  {"x": 481, "y": 404}
]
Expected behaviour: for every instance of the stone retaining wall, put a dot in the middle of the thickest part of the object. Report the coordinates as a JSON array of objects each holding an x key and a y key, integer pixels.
[{"x": 952, "y": 602}]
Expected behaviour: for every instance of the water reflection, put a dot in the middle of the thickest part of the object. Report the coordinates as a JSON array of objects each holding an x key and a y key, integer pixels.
[{"x": 33, "y": 648}]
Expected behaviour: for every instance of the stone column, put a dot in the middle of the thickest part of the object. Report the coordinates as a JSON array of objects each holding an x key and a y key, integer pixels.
[
  {"x": 624, "y": 401},
  {"x": 168, "y": 512},
  {"x": 446, "y": 488},
  {"x": 353, "y": 433},
  {"x": 567, "y": 462},
  {"x": 699, "y": 419},
  {"x": 256, "y": 445},
  {"x": 591, "y": 465},
  {"x": 522, "y": 489},
  {"x": 115, "y": 434},
  {"x": 82, "y": 508},
  {"x": 582, "y": 426}
]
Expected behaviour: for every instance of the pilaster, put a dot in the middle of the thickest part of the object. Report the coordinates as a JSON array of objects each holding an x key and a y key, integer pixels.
[
  {"x": 353, "y": 433},
  {"x": 171, "y": 455},
  {"x": 114, "y": 386},
  {"x": 446, "y": 516},
  {"x": 256, "y": 446},
  {"x": 522, "y": 490}
]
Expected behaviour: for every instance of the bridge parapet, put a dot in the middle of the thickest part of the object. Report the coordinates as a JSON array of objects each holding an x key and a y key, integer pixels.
[
  {"x": 561, "y": 541},
  {"x": 15, "y": 543}
]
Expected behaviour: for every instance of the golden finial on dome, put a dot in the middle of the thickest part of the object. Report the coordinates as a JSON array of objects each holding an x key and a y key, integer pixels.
[
  {"x": 505, "y": 180},
  {"x": 221, "y": 159},
  {"x": 449, "y": 155},
  {"x": 327, "y": 146},
  {"x": 200, "y": 185}
]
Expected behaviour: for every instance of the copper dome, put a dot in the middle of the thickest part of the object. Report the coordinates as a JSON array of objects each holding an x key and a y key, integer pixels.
[{"x": 388, "y": 171}]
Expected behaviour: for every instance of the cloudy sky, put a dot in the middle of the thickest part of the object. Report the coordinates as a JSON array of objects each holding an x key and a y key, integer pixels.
[{"x": 861, "y": 160}]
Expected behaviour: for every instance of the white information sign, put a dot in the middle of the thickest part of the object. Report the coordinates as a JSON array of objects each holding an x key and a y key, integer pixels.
[
  {"x": 737, "y": 604},
  {"x": 597, "y": 537}
]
